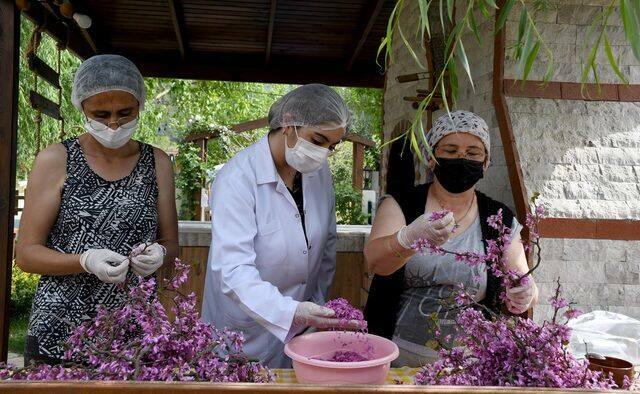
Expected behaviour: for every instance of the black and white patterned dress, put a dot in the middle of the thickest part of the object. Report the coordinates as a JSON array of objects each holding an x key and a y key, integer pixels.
[{"x": 94, "y": 214}]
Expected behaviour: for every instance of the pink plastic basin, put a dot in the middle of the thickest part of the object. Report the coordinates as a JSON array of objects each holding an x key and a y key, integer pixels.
[{"x": 309, "y": 370}]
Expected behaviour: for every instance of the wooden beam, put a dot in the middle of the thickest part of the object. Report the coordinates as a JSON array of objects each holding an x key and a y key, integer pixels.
[
  {"x": 504, "y": 122},
  {"x": 205, "y": 135},
  {"x": 44, "y": 105},
  {"x": 89, "y": 39},
  {"x": 76, "y": 43},
  {"x": 368, "y": 20},
  {"x": 250, "y": 125},
  {"x": 356, "y": 138},
  {"x": 9, "y": 64},
  {"x": 357, "y": 173},
  {"x": 272, "y": 18},
  {"x": 178, "y": 26},
  {"x": 124, "y": 387},
  {"x": 43, "y": 70},
  {"x": 249, "y": 68}
]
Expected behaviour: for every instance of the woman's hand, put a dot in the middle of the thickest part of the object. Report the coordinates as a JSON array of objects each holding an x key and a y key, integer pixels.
[
  {"x": 519, "y": 298},
  {"x": 108, "y": 266},
  {"x": 314, "y": 315},
  {"x": 147, "y": 259},
  {"x": 436, "y": 231}
]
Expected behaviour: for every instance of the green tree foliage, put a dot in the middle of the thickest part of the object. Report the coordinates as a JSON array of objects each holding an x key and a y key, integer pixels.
[{"x": 177, "y": 108}]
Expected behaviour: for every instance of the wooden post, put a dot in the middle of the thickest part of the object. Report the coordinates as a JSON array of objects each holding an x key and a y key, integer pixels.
[
  {"x": 202, "y": 143},
  {"x": 9, "y": 48},
  {"x": 358, "y": 166}
]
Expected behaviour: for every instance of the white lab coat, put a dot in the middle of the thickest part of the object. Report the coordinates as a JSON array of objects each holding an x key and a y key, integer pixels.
[{"x": 259, "y": 265}]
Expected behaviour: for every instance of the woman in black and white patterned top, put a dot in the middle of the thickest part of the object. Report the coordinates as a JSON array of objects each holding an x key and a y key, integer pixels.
[{"x": 89, "y": 201}]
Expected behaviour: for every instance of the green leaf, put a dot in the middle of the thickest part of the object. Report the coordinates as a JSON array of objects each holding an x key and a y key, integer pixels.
[
  {"x": 612, "y": 60},
  {"x": 443, "y": 92},
  {"x": 522, "y": 24},
  {"x": 630, "y": 13},
  {"x": 491, "y": 3},
  {"x": 410, "y": 48},
  {"x": 473, "y": 26},
  {"x": 442, "y": 15},
  {"x": 416, "y": 147},
  {"x": 450, "y": 4},
  {"x": 460, "y": 52},
  {"x": 453, "y": 79},
  {"x": 484, "y": 10},
  {"x": 530, "y": 59},
  {"x": 424, "y": 17},
  {"x": 524, "y": 50},
  {"x": 504, "y": 13}
]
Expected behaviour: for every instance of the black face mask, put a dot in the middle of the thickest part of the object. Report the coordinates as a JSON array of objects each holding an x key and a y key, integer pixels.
[{"x": 458, "y": 175}]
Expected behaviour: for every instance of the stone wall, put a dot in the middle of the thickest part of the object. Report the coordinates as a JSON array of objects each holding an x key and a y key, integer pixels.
[
  {"x": 479, "y": 100},
  {"x": 584, "y": 159}
]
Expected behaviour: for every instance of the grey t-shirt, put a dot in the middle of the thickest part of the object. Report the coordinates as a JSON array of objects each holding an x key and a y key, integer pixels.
[{"x": 429, "y": 281}]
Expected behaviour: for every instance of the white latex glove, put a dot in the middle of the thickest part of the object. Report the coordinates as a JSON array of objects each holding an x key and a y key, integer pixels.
[
  {"x": 314, "y": 315},
  {"x": 436, "y": 231},
  {"x": 108, "y": 266},
  {"x": 146, "y": 261},
  {"x": 519, "y": 298}
]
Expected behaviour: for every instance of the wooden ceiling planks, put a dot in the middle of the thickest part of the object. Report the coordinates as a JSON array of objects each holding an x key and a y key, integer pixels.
[{"x": 248, "y": 39}]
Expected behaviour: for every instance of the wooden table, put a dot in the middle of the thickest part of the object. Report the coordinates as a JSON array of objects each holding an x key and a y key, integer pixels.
[{"x": 285, "y": 383}]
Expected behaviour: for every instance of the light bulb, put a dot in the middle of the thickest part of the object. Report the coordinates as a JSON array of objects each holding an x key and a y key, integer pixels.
[{"x": 84, "y": 21}]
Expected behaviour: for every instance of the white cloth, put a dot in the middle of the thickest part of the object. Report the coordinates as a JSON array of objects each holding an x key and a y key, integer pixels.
[{"x": 259, "y": 265}]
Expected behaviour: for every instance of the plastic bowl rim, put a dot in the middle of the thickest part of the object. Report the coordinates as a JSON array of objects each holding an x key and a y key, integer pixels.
[{"x": 343, "y": 365}]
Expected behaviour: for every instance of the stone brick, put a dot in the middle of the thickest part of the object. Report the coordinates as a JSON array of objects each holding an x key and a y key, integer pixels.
[
  {"x": 622, "y": 272},
  {"x": 619, "y": 156},
  {"x": 577, "y": 190},
  {"x": 596, "y": 2},
  {"x": 585, "y": 272},
  {"x": 620, "y": 191},
  {"x": 612, "y": 251},
  {"x": 602, "y": 209},
  {"x": 580, "y": 250},
  {"x": 613, "y": 173},
  {"x": 577, "y": 14},
  {"x": 632, "y": 295},
  {"x": 562, "y": 208},
  {"x": 552, "y": 249},
  {"x": 558, "y": 33},
  {"x": 550, "y": 270}
]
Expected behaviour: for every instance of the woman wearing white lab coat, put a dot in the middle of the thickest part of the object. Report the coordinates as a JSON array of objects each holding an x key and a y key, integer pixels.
[{"x": 273, "y": 246}]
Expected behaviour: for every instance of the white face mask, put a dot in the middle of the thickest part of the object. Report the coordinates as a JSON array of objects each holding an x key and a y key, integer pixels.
[
  {"x": 109, "y": 138},
  {"x": 305, "y": 157}
]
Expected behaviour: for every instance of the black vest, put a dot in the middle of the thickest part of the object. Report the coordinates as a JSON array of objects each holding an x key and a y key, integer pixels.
[{"x": 385, "y": 292}]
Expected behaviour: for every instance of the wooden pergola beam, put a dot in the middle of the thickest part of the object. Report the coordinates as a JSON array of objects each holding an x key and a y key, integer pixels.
[
  {"x": 76, "y": 43},
  {"x": 368, "y": 21},
  {"x": 272, "y": 18},
  {"x": 178, "y": 26},
  {"x": 9, "y": 64},
  {"x": 250, "y": 125},
  {"x": 242, "y": 68}
]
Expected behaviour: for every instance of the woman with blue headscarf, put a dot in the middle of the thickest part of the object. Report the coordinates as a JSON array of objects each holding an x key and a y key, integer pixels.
[
  {"x": 409, "y": 289},
  {"x": 89, "y": 201}
]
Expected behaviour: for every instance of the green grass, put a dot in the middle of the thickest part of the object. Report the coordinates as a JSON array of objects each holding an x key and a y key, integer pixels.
[{"x": 17, "y": 333}]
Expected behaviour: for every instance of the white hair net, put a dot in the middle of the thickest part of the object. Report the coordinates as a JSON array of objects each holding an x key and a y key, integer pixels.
[
  {"x": 313, "y": 105},
  {"x": 102, "y": 73}
]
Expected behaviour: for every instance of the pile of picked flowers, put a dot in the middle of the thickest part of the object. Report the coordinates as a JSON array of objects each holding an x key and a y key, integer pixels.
[
  {"x": 492, "y": 349},
  {"x": 139, "y": 342}
]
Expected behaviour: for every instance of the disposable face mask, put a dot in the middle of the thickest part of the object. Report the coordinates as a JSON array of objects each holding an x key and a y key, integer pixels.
[
  {"x": 305, "y": 157},
  {"x": 112, "y": 139}
]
